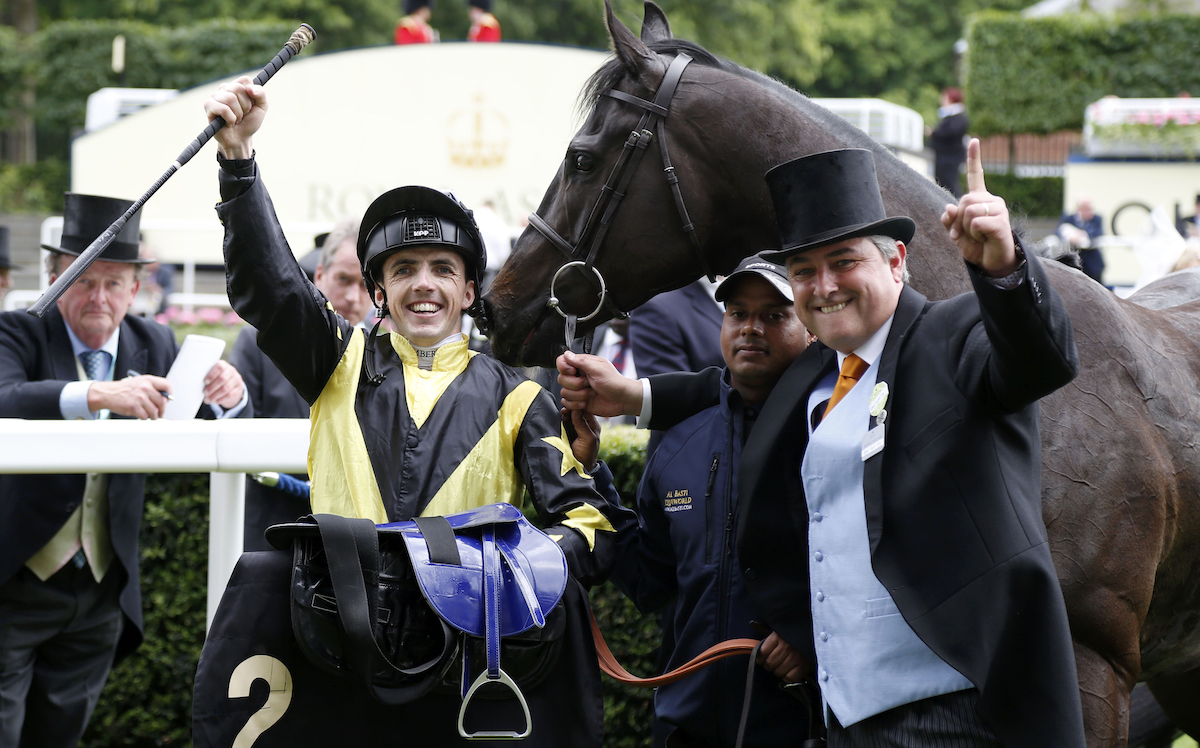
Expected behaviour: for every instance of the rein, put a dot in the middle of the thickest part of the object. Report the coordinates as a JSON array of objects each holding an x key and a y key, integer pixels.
[{"x": 651, "y": 124}]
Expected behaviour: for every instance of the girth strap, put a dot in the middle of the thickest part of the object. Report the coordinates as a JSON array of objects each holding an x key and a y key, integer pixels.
[
  {"x": 352, "y": 550},
  {"x": 439, "y": 536}
]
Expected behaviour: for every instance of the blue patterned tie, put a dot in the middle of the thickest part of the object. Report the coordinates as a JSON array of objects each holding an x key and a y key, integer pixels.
[{"x": 95, "y": 364}]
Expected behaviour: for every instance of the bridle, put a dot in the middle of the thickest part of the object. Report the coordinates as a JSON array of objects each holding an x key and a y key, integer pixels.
[{"x": 652, "y": 123}]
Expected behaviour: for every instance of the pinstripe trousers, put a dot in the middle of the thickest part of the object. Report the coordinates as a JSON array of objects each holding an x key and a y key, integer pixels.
[{"x": 946, "y": 721}]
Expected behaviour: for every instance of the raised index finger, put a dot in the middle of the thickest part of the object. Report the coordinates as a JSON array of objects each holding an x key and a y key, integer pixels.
[{"x": 974, "y": 168}]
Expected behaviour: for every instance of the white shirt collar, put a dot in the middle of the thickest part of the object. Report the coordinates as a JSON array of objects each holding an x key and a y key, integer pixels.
[
  {"x": 110, "y": 347},
  {"x": 870, "y": 350}
]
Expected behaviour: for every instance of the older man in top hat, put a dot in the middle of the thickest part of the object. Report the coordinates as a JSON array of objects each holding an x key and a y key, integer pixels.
[
  {"x": 69, "y": 596},
  {"x": 891, "y": 528}
]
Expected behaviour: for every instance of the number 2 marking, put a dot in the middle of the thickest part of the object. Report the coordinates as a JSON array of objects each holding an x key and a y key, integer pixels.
[{"x": 278, "y": 677}]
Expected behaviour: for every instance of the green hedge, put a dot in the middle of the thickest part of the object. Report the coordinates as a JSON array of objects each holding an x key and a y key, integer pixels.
[
  {"x": 148, "y": 698},
  {"x": 34, "y": 188},
  {"x": 1037, "y": 75},
  {"x": 73, "y": 60},
  {"x": 1033, "y": 197}
]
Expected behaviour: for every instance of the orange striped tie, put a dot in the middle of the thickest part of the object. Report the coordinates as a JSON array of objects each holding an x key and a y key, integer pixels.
[{"x": 852, "y": 368}]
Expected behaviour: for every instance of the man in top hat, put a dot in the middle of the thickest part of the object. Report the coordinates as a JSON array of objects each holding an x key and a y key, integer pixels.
[
  {"x": 69, "y": 594},
  {"x": 408, "y": 423},
  {"x": 6, "y": 265},
  {"x": 338, "y": 277},
  {"x": 413, "y": 27},
  {"x": 891, "y": 521},
  {"x": 682, "y": 548}
]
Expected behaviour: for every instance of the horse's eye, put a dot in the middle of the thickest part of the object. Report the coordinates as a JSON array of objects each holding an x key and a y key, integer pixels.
[{"x": 584, "y": 162}]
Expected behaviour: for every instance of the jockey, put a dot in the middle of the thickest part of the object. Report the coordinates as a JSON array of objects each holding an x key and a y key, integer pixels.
[{"x": 412, "y": 423}]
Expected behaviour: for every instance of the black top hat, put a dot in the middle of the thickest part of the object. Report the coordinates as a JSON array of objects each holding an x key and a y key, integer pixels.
[
  {"x": 412, "y": 6},
  {"x": 828, "y": 197},
  {"x": 774, "y": 273},
  {"x": 86, "y": 217},
  {"x": 5, "y": 258}
]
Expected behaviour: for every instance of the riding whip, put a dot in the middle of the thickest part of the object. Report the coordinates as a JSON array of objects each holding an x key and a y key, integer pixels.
[{"x": 300, "y": 39}]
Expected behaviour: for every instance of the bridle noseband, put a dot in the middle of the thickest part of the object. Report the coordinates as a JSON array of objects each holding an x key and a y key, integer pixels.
[{"x": 652, "y": 123}]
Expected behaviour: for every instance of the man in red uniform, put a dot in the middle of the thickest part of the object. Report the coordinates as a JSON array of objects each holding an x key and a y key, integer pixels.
[
  {"x": 414, "y": 27},
  {"x": 484, "y": 26}
]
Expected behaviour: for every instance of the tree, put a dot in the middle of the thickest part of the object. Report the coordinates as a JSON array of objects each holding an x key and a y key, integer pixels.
[
  {"x": 17, "y": 79},
  {"x": 339, "y": 23},
  {"x": 899, "y": 50}
]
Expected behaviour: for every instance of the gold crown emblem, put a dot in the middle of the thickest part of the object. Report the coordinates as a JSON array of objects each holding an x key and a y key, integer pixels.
[{"x": 477, "y": 137}]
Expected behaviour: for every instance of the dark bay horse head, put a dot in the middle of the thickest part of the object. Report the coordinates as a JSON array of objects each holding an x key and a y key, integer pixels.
[{"x": 726, "y": 127}]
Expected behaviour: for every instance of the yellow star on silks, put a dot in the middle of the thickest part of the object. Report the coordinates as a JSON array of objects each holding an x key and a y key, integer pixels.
[
  {"x": 587, "y": 519},
  {"x": 562, "y": 445}
]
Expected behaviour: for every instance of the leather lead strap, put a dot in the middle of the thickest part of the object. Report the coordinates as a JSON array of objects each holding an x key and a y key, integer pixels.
[
  {"x": 613, "y": 669},
  {"x": 741, "y": 733}
]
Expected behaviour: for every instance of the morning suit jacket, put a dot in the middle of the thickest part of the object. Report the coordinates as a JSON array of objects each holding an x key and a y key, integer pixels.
[
  {"x": 273, "y": 396},
  {"x": 953, "y": 501},
  {"x": 36, "y": 361}
]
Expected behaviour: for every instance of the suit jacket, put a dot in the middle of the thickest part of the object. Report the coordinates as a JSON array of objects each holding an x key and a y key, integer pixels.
[
  {"x": 947, "y": 139},
  {"x": 953, "y": 501},
  {"x": 36, "y": 361},
  {"x": 676, "y": 331},
  {"x": 273, "y": 396}
]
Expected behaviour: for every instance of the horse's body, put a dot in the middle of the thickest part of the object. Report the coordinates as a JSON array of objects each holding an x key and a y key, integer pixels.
[{"x": 1121, "y": 461}]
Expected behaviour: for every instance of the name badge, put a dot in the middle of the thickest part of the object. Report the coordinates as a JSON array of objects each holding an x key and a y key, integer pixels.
[{"x": 872, "y": 442}]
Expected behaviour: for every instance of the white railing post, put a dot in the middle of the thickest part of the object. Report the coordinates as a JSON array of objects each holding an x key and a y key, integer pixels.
[
  {"x": 226, "y": 525},
  {"x": 227, "y": 450}
]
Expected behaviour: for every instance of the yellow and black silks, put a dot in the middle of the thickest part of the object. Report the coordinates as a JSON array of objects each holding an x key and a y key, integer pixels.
[{"x": 469, "y": 432}]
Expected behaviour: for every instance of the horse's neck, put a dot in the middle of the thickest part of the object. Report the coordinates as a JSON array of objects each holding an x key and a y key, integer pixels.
[{"x": 798, "y": 127}]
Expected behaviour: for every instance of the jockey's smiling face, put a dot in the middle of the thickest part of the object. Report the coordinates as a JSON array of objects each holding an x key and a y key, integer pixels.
[{"x": 427, "y": 290}]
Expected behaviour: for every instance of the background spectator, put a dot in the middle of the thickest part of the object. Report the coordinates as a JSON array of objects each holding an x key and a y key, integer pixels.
[
  {"x": 1080, "y": 230},
  {"x": 948, "y": 141},
  {"x": 676, "y": 331},
  {"x": 413, "y": 27},
  {"x": 484, "y": 26},
  {"x": 1188, "y": 227}
]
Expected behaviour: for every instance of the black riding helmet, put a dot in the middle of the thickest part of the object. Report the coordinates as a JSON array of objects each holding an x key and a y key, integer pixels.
[{"x": 420, "y": 217}]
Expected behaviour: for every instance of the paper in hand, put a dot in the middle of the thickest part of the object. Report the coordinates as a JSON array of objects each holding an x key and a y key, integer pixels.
[{"x": 197, "y": 355}]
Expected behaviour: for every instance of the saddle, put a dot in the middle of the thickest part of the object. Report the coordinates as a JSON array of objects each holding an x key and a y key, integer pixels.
[{"x": 395, "y": 605}]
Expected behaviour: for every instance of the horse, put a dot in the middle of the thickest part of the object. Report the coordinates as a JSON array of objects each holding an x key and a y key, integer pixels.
[{"x": 1121, "y": 459}]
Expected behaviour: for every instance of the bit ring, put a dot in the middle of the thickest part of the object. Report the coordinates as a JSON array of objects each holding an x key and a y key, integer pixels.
[{"x": 554, "y": 303}]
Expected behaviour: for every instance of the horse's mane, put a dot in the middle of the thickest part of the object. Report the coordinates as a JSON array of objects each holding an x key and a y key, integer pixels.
[{"x": 612, "y": 72}]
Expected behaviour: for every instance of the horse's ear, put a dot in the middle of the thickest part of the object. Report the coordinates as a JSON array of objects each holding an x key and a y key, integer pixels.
[
  {"x": 655, "y": 27},
  {"x": 631, "y": 51}
]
